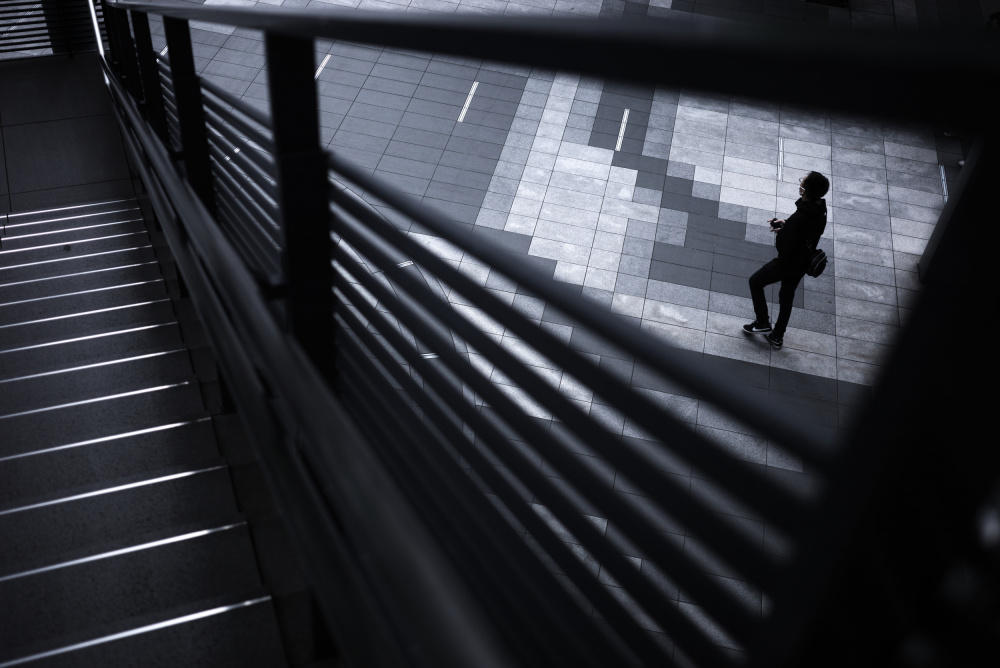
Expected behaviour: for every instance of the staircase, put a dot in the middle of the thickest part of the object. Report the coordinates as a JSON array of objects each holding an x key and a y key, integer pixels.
[{"x": 121, "y": 539}]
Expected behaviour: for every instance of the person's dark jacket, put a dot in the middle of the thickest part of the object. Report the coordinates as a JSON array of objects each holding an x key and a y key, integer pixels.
[{"x": 801, "y": 231}]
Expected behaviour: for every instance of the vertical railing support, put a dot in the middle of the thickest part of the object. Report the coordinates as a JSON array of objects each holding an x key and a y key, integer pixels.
[
  {"x": 128, "y": 64},
  {"x": 114, "y": 46},
  {"x": 302, "y": 197},
  {"x": 150, "y": 74},
  {"x": 190, "y": 112}
]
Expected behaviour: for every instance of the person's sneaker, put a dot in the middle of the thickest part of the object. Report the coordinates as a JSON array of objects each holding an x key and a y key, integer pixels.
[
  {"x": 775, "y": 342},
  {"x": 757, "y": 328}
]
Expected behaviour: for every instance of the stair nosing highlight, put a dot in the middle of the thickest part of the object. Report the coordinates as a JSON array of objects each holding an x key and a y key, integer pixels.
[
  {"x": 75, "y": 257},
  {"x": 111, "y": 554},
  {"x": 89, "y": 336},
  {"x": 104, "y": 439},
  {"x": 67, "y": 208},
  {"x": 85, "y": 215},
  {"x": 81, "y": 273},
  {"x": 83, "y": 402},
  {"x": 84, "y": 313},
  {"x": 149, "y": 628}
]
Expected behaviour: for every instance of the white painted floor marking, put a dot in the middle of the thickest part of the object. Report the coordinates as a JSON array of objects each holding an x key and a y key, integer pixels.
[
  {"x": 163, "y": 51},
  {"x": 944, "y": 183},
  {"x": 781, "y": 157},
  {"x": 621, "y": 133},
  {"x": 321, "y": 66},
  {"x": 468, "y": 101}
]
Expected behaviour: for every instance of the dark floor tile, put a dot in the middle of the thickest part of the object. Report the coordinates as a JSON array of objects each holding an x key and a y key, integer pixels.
[
  {"x": 739, "y": 371},
  {"x": 509, "y": 241},
  {"x": 678, "y": 186},
  {"x": 734, "y": 266},
  {"x": 467, "y": 146},
  {"x": 37, "y": 159},
  {"x": 649, "y": 180},
  {"x": 706, "y": 207},
  {"x": 626, "y": 160},
  {"x": 608, "y": 141},
  {"x": 420, "y": 121},
  {"x": 472, "y": 163},
  {"x": 416, "y": 168},
  {"x": 687, "y": 257},
  {"x": 396, "y": 73},
  {"x": 680, "y": 275},
  {"x": 433, "y": 140},
  {"x": 453, "y": 192},
  {"x": 853, "y": 394},
  {"x": 716, "y": 226},
  {"x": 499, "y": 93},
  {"x": 48, "y": 89},
  {"x": 440, "y": 82},
  {"x": 586, "y": 341},
  {"x": 675, "y": 201},
  {"x": 463, "y": 178},
  {"x": 794, "y": 382},
  {"x": 401, "y": 149},
  {"x": 653, "y": 165},
  {"x": 453, "y": 70},
  {"x": 463, "y": 213}
]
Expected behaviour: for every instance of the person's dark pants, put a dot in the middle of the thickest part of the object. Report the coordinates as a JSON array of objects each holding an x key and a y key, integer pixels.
[{"x": 772, "y": 272}]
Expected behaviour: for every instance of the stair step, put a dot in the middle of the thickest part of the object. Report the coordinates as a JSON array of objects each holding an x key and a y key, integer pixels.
[
  {"x": 233, "y": 631},
  {"x": 72, "y": 281},
  {"x": 102, "y": 516},
  {"x": 73, "y": 464},
  {"x": 18, "y": 269},
  {"x": 51, "y": 603},
  {"x": 82, "y": 230},
  {"x": 76, "y": 351},
  {"x": 74, "y": 210},
  {"x": 80, "y": 301},
  {"x": 85, "y": 382},
  {"x": 47, "y": 427},
  {"x": 96, "y": 243},
  {"x": 86, "y": 324},
  {"x": 64, "y": 219}
]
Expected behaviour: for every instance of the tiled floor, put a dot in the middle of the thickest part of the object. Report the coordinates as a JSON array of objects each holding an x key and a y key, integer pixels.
[
  {"x": 660, "y": 218},
  {"x": 666, "y": 228}
]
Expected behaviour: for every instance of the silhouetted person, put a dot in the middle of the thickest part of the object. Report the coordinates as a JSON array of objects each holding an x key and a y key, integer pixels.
[{"x": 794, "y": 239}]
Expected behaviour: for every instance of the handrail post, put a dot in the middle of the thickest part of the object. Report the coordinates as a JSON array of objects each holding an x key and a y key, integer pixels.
[
  {"x": 114, "y": 44},
  {"x": 128, "y": 65},
  {"x": 150, "y": 75},
  {"x": 302, "y": 197},
  {"x": 190, "y": 110}
]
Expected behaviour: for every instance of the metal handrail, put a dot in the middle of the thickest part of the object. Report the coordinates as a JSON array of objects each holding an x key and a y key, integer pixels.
[
  {"x": 397, "y": 550},
  {"x": 386, "y": 350},
  {"x": 918, "y": 76}
]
